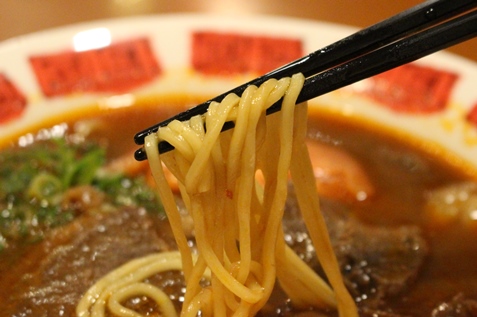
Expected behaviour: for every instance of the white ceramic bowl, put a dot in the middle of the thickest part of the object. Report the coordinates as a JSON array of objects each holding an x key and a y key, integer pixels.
[{"x": 446, "y": 129}]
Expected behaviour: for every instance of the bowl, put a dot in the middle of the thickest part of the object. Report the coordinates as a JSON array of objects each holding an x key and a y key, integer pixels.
[{"x": 136, "y": 71}]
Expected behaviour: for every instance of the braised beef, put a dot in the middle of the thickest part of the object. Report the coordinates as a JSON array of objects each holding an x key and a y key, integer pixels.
[
  {"x": 66, "y": 264},
  {"x": 376, "y": 262},
  {"x": 379, "y": 262}
]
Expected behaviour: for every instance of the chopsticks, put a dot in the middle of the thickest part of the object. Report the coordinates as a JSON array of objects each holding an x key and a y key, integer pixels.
[{"x": 405, "y": 37}]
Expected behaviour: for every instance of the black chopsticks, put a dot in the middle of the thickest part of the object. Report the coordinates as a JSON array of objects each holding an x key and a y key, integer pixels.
[{"x": 405, "y": 37}]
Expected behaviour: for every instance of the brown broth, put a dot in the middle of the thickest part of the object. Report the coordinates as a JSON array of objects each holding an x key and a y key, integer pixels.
[{"x": 401, "y": 173}]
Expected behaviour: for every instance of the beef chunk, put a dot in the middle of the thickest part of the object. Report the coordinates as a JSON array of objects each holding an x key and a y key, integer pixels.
[
  {"x": 376, "y": 262},
  {"x": 66, "y": 264},
  {"x": 459, "y": 306}
]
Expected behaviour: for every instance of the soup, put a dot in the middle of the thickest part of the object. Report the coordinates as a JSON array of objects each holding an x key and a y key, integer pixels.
[{"x": 400, "y": 219}]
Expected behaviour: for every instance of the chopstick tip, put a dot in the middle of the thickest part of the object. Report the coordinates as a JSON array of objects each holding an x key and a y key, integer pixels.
[{"x": 140, "y": 155}]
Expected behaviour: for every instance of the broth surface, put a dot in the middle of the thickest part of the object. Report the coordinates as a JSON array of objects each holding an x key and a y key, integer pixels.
[{"x": 401, "y": 174}]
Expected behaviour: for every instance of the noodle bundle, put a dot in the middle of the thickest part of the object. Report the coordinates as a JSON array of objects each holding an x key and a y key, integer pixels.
[{"x": 237, "y": 218}]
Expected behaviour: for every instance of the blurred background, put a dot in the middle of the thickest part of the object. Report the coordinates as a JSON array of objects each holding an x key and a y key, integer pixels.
[{"x": 19, "y": 17}]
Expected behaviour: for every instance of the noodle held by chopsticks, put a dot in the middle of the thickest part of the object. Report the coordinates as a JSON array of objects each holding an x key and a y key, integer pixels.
[{"x": 237, "y": 220}]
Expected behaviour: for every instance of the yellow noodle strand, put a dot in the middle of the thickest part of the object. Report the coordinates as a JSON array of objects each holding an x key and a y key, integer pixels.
[{"x": 237, "y": 220}]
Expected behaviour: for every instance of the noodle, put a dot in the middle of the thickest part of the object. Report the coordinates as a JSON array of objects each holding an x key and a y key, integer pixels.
[
  {"x": 121, "y": 283},
  {"x": 237, "y": 220}
]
